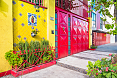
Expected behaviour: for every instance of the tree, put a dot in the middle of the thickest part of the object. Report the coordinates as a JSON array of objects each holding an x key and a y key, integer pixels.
[{"x": 103, "y": 7}]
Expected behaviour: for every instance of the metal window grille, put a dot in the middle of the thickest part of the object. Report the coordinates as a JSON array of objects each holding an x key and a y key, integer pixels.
[
  {"x": 93, "y": 19},
  {"x": 40, "y": 2}
]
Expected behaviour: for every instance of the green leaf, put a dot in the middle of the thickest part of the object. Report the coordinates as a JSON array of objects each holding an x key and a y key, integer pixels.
[{"x": 108, "y": 75}]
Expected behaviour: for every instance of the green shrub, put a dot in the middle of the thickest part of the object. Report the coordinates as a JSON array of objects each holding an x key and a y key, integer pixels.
[
  {"x": 93, "y": 47},
  {"x": 13, "y": 59},
  {"x": 31, "y": 55},
  {"x": 103, "y": 68}
]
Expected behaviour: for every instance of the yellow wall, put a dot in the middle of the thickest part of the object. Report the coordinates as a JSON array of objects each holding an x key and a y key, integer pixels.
[
  {"x": 10, "y": 28},
  {"x": 90, "y": 31},
  {"x": 50, "y": 4},
  {"x": 25, "y": 31},
  {"x": 6, "y": 32}
]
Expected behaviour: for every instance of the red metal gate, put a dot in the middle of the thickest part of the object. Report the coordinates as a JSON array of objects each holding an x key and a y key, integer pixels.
[
  {"x": 72, "y": 33},
  {"x": 63, "y": 28},
  {"x": 100, "y": 38}
]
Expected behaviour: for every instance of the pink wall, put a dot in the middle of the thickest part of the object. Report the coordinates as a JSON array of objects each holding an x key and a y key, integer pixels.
[{"x": 97, "y": 20}]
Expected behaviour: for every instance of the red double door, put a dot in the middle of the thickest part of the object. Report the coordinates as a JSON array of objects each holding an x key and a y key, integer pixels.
[
  {"x": 80, "y": 37},
  {"x": 72, "y": 34}
]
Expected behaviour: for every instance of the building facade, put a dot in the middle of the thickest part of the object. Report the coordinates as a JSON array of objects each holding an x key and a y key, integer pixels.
[
  {"x": 64, "y": 23},
  {"x": 99, "y": 32}
]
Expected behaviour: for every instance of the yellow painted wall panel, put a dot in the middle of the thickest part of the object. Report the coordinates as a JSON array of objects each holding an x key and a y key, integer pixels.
[
  {"x": 21, "y": 16},
  {"x": 90, "y": 31},
  {"x": 6, "y": 33},
  {"x": 50, "y": 4}
]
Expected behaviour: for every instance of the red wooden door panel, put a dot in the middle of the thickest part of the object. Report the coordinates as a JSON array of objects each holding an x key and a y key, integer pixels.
[
  {"x": 74, "y": 48},
  {"x": 63, "y": 40},
  {"x": 83, "y": 39},
  {"x": 63, "y": 35},
  {"x": 78, "y": 22},
  {"x": 79, "y": 47},
  {"x": 63, "y": 51},
  {"x": 74, "y": 30},
  {"x": 87, "y": 38},
  {"x": 79, "y": 31},
  {"x": 63, "y": 29},
  {"x": 87, "y": 46},
  {"x": 74, "y": 39},
  {"x": 75, "y": 21},
  {"x": 72, "y": 33},
  {"x": 83, "y": 31},
  {"x": 80, "y": 39}
]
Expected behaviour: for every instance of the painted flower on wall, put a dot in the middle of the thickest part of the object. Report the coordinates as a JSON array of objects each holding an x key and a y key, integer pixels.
[
  {"x": 19, "y": 36},
  {"x": 13, "y": 2}
]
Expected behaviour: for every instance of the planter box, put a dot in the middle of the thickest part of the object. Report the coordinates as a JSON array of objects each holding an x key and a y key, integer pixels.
[
  {"x": 5, "y": 73},
  {"x": 29, "y": 70},
  {"x": 92, "y": 49}
]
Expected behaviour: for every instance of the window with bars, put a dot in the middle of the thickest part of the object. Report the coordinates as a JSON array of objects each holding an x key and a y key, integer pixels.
[
  {"x": 64, "y": 4},
  {"x": 40, "y": 2},
  {"x": 93, "y": 19}
]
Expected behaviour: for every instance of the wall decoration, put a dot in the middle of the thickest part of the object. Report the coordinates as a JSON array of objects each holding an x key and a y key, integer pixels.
[
  {"x": 43, "y": 9},
  {"x": 32, "y": 27},
  {"x": 22, "y": 24},
  {"x": 14, "y": 19},
  {"x": 39, "y": 16},
  {"x": 36, "y": 29},
  {"x": 32, "y": 19},
  {"x": 20, "y": 14},
  {"x": 24, "y": 38},
  {"x": 44, "y": 20},
  {"x": 13, "y": 2},
  {"x": 19, "y": 36},
  {"x": 22, "y": 4}
]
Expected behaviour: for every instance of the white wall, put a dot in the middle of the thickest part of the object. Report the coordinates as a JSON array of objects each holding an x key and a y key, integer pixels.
[
  {"x": 109, "y": 20},
  {"x": 112, "y": 38}
]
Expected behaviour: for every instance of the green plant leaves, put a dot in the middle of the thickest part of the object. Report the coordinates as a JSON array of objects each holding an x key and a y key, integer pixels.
[
  {"x": 13, "y": 59},
  {"x": 107, "y": 68},
  {"x": 103, "y": 7}
]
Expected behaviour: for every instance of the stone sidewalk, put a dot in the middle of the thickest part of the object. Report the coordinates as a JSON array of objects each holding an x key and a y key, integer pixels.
[{"x": 73, "y": 66}]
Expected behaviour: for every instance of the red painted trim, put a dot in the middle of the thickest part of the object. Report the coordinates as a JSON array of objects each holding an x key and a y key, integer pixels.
[
  {"x": 83, "y": 3},
  {"x": 33, "y": 4},
  {"x": 16, "y": 74},
  {"x": 71, "y": 34},
  {"x": 5, "y": 73},
  {"x": 58, "y": 33},
  {"x": 92, "y": 49}
]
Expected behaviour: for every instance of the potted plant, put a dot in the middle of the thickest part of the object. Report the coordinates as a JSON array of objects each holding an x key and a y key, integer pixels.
[
  {"x": 93, "y": 47},
  {"x": 34, "y": 32}
]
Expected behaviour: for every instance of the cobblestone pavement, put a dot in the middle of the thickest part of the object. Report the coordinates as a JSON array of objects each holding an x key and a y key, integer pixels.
[{"x": 73, "y": 66}]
